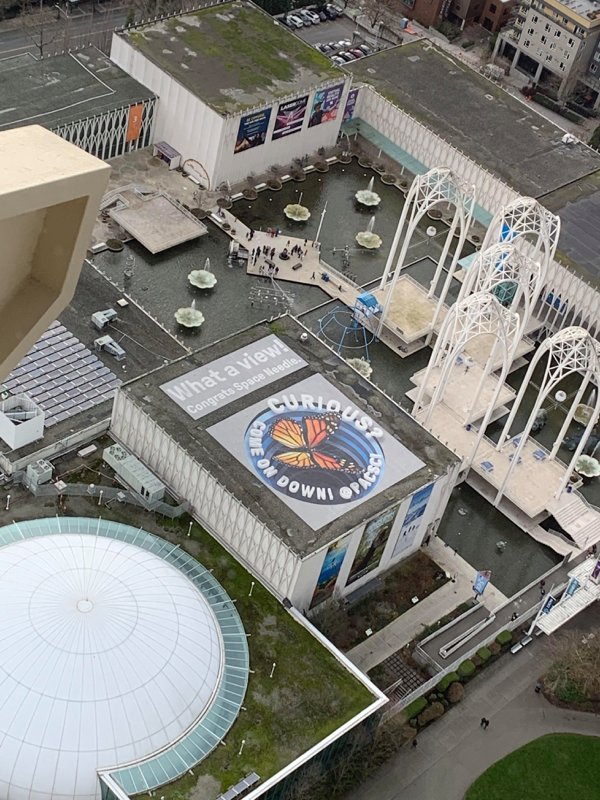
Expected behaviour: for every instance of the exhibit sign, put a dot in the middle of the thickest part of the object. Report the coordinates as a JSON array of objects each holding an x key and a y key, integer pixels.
[
  {"x": 372, "y": 544},
  {"x": 224, "y": 380},
  {"x": 350, "y": 105},
  {"x": 290, "y": 116},
  {"x": 325, "y": 105},
  {"x": 332, "y": 564},
  {"x": 314, "y": 448},
  {"x": 412, "y": 521},
  {"x": 253, "y": 130}
]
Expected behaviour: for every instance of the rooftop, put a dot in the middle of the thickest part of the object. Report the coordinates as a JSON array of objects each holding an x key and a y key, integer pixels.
[
  {"x": 146, "y": 344},
  {"x": 55, "y": 91},
  {"x": 412, "y": 457},
  {"x": 495, "y": 129},
  {"x": 586, "y": 8},
  {"x": 250, "y": 57}
]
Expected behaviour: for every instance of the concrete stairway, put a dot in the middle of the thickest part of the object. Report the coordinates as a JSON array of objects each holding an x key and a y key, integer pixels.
[{"x": 577, "y": 518}]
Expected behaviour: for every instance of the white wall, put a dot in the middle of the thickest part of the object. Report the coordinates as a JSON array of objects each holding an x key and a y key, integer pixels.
[
  {"x": 236, "y": 167},
  {"x": 311, "y": 566},
  {"x": 430, "y": 149},
  {"x": 182, "y": 120},
  {"x": 238, "y": 530}
]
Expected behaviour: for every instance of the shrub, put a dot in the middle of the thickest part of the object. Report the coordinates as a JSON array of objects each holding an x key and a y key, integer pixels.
[
  {"x": 504, "y": 638},
  {"x": 466, "y": 669},
  {"x": 484, "y": 654},
  {"x": 456, "y": 692},
  {"x": 434, "y": 711},
  {"x": 452, "y": 677},
  {"x": 570, "y": 692},
  {"x": 414, "y": 709},
  {"x": 494, "y": 648}
]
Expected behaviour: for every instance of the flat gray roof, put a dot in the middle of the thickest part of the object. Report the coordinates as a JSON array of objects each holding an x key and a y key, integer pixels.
[
  {"x": 266, "y": 505},
  {"x": 233, "y": 56},
  {"x": 64, "y": 88},
  {"x": 498, "y": 131}
]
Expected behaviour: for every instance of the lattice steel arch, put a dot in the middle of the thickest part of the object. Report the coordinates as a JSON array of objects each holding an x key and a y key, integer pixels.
[
  {"x": 505, "y": 264},
  {"x": 525, "y": 217},
  {"x": 439, "y": 185},
  {"x": 570, "y": 351},
  {"x": 478, "y": 314}
]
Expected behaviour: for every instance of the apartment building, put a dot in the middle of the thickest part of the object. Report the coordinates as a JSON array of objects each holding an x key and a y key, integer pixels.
[{"x": 562, "y": 39}]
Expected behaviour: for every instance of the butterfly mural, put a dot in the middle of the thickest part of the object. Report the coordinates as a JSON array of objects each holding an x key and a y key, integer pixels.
[{"x": 310, "y": 444}]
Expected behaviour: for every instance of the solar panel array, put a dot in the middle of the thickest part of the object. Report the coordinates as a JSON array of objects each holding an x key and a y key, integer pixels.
[{"x": 62, "y": 376}]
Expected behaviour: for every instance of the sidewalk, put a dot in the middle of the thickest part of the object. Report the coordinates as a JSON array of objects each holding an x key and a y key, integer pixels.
[
  {"x": 454, "y": 751},
  {"x": 401, "y": 631}
]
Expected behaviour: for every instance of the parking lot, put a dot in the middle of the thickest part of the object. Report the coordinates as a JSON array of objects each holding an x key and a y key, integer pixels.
[{"x": 332, "y": 31}]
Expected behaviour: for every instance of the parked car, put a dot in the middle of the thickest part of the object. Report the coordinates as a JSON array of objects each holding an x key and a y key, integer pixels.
[
  {"x": 344, "y": 43},
  {"x": 365, "y": 49},
  {"x": 331, "y": 11},
  {"x": 346, "y": 56},
  {"x": 307, "y": 17},
  {"x": 333, "y": 45},
  {"x": 357, "y": 52},
  {"x": 322, "y": 16},
  {"x": 338, "y": 61},
  {"x": 324, "y": 48},
  {"x": 294, "y": 21}
]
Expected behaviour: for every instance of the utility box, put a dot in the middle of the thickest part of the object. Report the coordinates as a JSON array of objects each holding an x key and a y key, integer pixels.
[
  {"x": 134, "y": 474},
  {"x": 21, "y": 421},
  {"x": 102, "y": 318},
  {"x": 39, "y": 472}
]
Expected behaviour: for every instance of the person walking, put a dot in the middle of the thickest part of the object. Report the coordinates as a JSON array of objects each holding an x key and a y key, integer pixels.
[
  {"x": 483, "y": 722},
  {"x": 414, "y": 743}
]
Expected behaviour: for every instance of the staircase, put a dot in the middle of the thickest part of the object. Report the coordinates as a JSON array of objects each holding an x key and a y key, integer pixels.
[{"x": 577, "y": 518}]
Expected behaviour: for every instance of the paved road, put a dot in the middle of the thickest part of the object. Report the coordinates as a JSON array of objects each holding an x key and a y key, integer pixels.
[
  {"x": 82, "y": 26},
  {"x": 454, "y": 751}
]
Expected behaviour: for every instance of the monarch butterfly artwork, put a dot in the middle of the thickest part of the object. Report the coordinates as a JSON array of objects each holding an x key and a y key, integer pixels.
[{"x": 303, "y": 439}]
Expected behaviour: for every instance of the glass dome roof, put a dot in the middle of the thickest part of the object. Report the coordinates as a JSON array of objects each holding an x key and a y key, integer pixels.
[{"x": 109, "y": 653}]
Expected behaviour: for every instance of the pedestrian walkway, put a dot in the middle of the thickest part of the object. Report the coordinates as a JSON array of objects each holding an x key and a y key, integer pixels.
[
  {"x": 454, "y": 750},
  {"x": 405, "y": 628}
]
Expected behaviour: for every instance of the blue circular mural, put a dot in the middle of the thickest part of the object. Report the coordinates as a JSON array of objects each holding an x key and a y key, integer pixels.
[{"x": 316, "y": 457}]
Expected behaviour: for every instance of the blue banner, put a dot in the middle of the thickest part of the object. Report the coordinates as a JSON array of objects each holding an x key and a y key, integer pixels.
[
  {"x": 481, "y": 581},
  {"x": 253, "y": 130}
]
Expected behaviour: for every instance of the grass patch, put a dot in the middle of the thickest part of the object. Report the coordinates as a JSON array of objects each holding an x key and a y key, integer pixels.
[
  {"x": 550, "y": 768},
  {"x": 309, "y": 696}
]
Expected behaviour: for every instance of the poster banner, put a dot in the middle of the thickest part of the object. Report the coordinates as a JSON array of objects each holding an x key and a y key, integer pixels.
[
  {"x": 412, "y": 520},
  {"x": 317, "y": 451},
  {"x": 230, "y": 377},
  {"x": 372, "y": 544},
  {"x": 325, "y": 105},
  {"x": 482, "y": 579},
  {"x": 134, "y": 122},
  {"x": 253, "y": 130},
  {"x": 334, "y": 558},
  {"x": 350, "y": 105},
  {"x": 290, "y": 116}
]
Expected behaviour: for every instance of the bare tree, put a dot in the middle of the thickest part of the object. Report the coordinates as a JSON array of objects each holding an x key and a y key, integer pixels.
[
  {"x": 376, "y": 10},
  {"x": 46, "y": 29},
  {"x": 576, "y": 665}
]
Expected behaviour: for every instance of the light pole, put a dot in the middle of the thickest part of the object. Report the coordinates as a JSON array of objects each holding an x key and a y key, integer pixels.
[
  {"x": 321, "y": 223},
  {"x": 7, "y": 502}
]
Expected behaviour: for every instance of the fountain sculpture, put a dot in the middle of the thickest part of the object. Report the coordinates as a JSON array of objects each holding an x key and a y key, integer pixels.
[
  {"x": 203, "y": 278},
  {"x": 296, "y": 211},
  {"x": 367, "y": 197},
  {"x": 189, "y": 317},
  {"x": 361, "y": 365},
  {"x": 368, "y": 239}
]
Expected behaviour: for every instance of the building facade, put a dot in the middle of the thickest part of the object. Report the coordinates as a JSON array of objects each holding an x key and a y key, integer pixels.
[{"x": 555, "y": 40}]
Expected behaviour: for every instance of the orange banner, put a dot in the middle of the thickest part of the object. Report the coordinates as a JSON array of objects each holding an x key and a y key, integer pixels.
[{"x": 134, "y": 123}]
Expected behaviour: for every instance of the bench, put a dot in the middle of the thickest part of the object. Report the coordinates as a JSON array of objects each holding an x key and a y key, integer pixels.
[{"x": 297, "y": 266}]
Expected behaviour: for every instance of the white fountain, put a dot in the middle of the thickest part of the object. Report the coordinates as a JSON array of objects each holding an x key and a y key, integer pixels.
[
  {"x": 361, "y": 365},
  {"x": 367, "y": 197},
  {"x": 296, "y": 211},
  {"x": 189, "y": 317},
  {"x": 368, "y": 239},
  {"x": 203, "y": 278}
]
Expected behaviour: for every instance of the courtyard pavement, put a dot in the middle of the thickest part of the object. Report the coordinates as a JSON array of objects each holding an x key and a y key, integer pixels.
[
  {"x": 454, "y": 750},
  {"x": 406, "y": 627}
]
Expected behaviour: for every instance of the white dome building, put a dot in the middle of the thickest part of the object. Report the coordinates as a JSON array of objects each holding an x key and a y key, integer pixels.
[{"x": 112, "y": 659}]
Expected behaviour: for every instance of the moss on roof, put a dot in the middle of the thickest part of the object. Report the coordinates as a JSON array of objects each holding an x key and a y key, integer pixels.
[{"x": 233, "y": 56}]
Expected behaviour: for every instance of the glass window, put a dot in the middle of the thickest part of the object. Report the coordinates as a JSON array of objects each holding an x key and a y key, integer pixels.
[
  {"x": 492, "y": 9},
  {"x": 527, "y": 42},
  {"x": 543, "y": 40}
]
